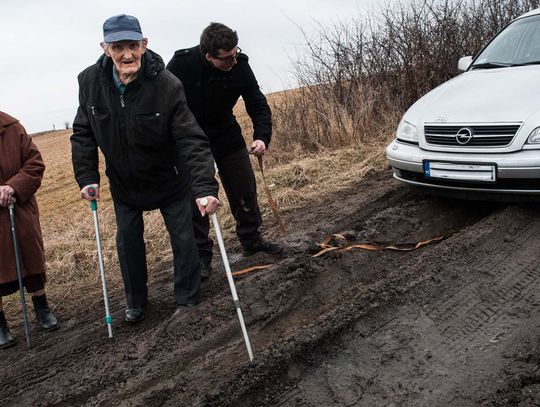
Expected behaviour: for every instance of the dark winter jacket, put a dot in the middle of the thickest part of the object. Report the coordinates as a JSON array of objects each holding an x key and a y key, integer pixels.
[
  {"x": 211, "y": 95},
  {"x": 152, "y": 144},
  {"x": 21, "y": 167}
]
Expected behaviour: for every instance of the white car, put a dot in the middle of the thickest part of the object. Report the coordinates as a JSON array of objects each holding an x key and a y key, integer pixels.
[{"x": 479, "y": 131}]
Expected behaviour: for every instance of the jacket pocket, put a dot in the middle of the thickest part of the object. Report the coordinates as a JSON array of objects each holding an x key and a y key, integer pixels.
[
  {"x": 100, "y": 120},
  {"x": 150, "y": 130},
  {"x": 97, "y": 113}
]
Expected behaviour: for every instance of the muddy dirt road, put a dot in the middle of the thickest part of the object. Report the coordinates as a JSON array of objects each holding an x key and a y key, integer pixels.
[{"x": 454, "y": 323}]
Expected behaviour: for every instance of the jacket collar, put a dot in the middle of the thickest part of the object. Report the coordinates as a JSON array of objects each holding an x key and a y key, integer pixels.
[{"x": 6, "y": 120}]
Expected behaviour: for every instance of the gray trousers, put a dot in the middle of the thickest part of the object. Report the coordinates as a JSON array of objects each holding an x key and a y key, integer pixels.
[{"x": 132, "y": 252}]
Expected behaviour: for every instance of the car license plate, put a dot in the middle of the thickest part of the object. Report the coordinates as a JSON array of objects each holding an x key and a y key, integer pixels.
[{"x": 460, "y": 171}]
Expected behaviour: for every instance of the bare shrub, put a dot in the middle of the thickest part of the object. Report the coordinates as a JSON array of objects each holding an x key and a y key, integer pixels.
[{"x": 357, "y": 79}]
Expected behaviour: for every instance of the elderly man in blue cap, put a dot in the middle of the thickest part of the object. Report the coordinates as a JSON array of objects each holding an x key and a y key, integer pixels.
[{"x": 156, "y": 155}]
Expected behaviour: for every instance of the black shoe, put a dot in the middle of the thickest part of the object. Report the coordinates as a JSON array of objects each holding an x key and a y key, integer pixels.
[
  {"x": 44, "y": 315},
  {"x": 182, "y": 308},
  {"x": 47, "y": 320},
  {"x": 261, "y": 245},
  {"x": 134, "y": 315},
  {"x": 206, "y": 269},
  {"x": 6, "y": 339}
]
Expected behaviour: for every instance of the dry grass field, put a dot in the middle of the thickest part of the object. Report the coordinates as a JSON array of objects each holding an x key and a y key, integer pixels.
[{"x": 295, "y": 177}]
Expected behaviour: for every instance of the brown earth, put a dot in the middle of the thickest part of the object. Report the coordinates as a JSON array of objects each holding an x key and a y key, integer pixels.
[{"x": 454, "y": 323}]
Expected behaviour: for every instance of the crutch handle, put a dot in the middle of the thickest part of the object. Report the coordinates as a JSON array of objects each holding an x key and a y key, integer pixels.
[{"x": 92, "y": 192}]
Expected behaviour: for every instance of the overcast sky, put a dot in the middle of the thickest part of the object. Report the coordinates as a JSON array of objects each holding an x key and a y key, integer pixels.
[{"x": 45, "y": 44}]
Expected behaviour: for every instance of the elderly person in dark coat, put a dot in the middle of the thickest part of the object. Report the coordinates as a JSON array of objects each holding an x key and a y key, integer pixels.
[
  {"x": 21, "y": 171},
  {"x": 157, "y": 157}
]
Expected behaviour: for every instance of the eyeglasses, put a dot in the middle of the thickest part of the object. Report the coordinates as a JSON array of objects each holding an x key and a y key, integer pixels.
[{"x": 229, "y": 59}]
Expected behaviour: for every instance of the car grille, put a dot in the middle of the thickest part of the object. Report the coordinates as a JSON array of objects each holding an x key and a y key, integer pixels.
[{"x": 483, "y": 136}]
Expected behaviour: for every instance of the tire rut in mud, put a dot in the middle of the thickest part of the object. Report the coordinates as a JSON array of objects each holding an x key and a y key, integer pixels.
[{"x": 438, "y": 341}]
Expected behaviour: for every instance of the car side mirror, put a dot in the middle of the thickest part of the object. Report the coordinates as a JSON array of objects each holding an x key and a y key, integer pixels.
[{"x": 464, "y": 63}]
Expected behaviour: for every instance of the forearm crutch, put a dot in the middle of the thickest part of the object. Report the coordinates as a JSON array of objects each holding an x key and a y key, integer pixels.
[
  {"x": 232, "y": 286},
  {"x": 19, "y": 272},
  {"x": 108, "y": 318}
]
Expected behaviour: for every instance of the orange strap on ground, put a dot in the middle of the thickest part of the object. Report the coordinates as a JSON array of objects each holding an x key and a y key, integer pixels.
[
  {"x": 250, "y": 269},
  {"x": 273, "y": 205},
  {"x": 326, "y": 247}
]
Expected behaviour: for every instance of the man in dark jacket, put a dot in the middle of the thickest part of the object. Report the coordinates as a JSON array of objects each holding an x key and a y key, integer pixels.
[
  {"x": 157, "y": 157},
  {"x": 215, "y": 74}
]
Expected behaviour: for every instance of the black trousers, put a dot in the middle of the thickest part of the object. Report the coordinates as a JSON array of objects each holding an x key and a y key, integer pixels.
[
  {"x": 132, "y": 252},
  {"x": 238, "y": 180}
]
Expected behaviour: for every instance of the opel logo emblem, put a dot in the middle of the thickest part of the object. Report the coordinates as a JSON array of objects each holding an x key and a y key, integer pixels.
[{"x": 464, "y": 135}]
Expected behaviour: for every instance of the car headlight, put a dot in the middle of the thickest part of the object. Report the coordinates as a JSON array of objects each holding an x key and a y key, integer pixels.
[
  {"x": 407, "y": 132},
  {"x": 534, "y": 137}
]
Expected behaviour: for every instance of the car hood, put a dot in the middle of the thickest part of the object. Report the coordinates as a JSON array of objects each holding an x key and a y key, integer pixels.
[{"x": 487, "y": 95}]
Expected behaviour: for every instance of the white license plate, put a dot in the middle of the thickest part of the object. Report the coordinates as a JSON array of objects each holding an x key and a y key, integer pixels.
[{"x": 460, "y": 172}]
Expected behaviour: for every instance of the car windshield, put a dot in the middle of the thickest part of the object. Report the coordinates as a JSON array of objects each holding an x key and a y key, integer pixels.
[{"x": 517, "y": 44}]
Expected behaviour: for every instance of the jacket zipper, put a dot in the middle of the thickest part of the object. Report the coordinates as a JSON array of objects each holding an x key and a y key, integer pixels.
[{"x": 131, "y": 170}]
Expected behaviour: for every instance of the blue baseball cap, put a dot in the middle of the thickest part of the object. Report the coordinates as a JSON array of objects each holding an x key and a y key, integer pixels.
[{"x": 122, "y": 27}]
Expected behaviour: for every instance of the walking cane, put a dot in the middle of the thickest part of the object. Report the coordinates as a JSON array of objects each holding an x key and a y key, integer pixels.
[
  {"x": 19, "y": 272},
  {"x": 271, "y": 201},
  {"x": 217, "y": 229},
  {"x": 108, "y": 319}
]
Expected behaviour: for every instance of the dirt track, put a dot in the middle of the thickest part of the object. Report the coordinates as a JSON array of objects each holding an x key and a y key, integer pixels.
[{"x": 455, "y": 323}]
